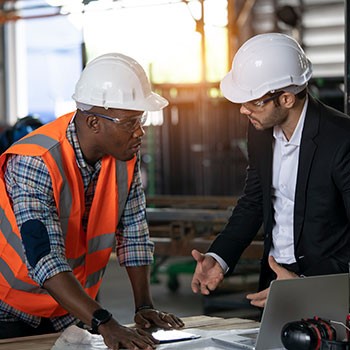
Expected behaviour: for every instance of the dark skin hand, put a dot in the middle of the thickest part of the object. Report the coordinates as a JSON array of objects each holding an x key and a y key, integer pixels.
[
  {"x": 146, "y": 318},
  {"x": 68, "y": 292},
  {"x": 152, "y": 317},
  {"x": 121, "y": 337}
]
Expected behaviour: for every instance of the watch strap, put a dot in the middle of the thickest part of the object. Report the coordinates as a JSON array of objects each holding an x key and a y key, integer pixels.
[{"x": 99, "y": 317}]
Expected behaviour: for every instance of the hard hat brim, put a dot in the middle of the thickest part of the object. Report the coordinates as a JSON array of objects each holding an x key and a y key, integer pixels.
[
  {"x": 233, "y": 92},
  {"x": 153, "y": 102}
]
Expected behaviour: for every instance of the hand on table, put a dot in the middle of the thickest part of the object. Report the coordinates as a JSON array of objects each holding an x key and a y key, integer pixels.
[
  {"x": 147, "y": 318},
  {"x": 208, "y": 273},
  {"x": 259, "y": 299},
  {"x": 118, "y": 337}
]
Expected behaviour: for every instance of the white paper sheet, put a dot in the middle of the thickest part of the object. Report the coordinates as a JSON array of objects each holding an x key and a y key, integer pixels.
[{"x": 75, "y": 338}]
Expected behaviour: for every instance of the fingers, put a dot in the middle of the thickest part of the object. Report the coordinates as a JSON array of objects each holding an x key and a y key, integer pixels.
[
  {"x": 147, "y": 318},
  {"x": 147, "y": 340},
  {"x": 208, "y": 274},
  {"x": 142, "y": 321},
  {"x": 198, "y": 256},
  {"x": 168, "y": 320},
  {"x": 280, "y": 271},
  {"x": 198, "y": 287},
  {"x": 258, "y": 299},
  {"x": 203, "y": 285},
  {"x": 258, "y": 303},
  {"x": 116, "y": 337},
  {"x": 195, "y": 285},
  {"x": 275, "y": 267}
]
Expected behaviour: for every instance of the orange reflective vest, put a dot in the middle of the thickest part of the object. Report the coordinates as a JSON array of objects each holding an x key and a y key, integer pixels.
[{"x": 87, "y": 252}]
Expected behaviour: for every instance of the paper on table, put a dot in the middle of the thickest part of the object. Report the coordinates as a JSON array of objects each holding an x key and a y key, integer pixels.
[
  {"x": 75, "y": 338},
  {"x": 173, "y": 335},
  {"x": 208, "y": 340}
]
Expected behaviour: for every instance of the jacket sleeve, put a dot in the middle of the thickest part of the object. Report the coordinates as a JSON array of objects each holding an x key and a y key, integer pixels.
[{"x": 245, "y": 221}]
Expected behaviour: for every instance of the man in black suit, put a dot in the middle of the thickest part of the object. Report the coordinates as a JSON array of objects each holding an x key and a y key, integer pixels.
[{"x": 298, "y": 177}]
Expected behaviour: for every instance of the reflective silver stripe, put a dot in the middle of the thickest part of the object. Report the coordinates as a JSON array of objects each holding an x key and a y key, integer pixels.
[
  {"x": 95, "y": 244},
  {"x": 101, "y": 242},
  {"x": 73, "y": 263},
  {"x": 39, "y": 139},
  {"x": 66, "y": 195},
  {"x": 94, "y": 278},
  {"x": 122, "y": 178},
  {"x": 10, "y": 236},
  {"x": 16, "y": 283},
  {"x": 54, "y": 147}
]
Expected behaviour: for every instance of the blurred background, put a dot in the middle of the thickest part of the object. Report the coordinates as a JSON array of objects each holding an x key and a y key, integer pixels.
[{"x": 194, "y": 152}]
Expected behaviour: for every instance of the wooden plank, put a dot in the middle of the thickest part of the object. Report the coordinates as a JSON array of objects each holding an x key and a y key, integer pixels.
[{"x": 36, "y": 342}]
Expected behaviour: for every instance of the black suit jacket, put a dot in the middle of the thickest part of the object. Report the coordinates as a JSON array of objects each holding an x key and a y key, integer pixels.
[{"x": 322, "y": 198}]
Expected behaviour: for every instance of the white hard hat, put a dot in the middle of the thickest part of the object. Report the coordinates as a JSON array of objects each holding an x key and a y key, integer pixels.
[
  {"x": 114, "y": 80},
  {"x": 266, "y": 63}
]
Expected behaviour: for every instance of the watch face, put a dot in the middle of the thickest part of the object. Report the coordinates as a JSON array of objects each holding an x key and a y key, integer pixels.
[{"x": 102, "y": 316}]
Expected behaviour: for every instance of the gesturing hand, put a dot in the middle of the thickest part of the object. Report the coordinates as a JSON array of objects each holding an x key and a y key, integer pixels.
[
  {"x": 208, "y": 273},
  {"x": 259, "y": 299}
]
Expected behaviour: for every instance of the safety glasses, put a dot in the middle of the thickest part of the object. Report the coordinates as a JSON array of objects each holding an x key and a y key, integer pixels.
[
  {"x": 254, "y": 105},
  {"x": 129, "y": 124}
]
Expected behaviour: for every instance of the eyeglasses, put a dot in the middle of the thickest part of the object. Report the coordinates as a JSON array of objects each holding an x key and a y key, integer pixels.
[
  {"x": 129, "y": 124},
  {"x": 253, "y": 105}
]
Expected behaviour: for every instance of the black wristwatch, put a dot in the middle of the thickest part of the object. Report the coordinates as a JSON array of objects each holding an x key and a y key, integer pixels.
[{"x": 99, "y": 317}]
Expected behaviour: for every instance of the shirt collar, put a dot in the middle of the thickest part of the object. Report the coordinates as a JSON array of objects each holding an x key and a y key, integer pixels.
[{"x": 296, "y": 137}]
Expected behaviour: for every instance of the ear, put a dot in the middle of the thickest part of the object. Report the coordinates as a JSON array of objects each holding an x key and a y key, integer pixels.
[
  {"x": 287, "y": 100},
  {"x": 93, "y": 124}
]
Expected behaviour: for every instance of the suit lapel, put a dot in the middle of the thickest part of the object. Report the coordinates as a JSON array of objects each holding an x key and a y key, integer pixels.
[
  {"x": 268, "y": 175},
  {"x": 263, "y": 146},
  {"x": 306, "y": 155},
  {"x": 267, "y": 189}
]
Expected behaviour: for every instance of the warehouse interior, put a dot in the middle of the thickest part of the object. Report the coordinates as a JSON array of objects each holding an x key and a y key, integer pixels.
[{"x": 194, "y": 152}]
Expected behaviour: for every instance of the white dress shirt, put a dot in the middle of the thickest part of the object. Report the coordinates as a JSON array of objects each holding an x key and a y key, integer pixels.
[{"x": 284, "y": 177}]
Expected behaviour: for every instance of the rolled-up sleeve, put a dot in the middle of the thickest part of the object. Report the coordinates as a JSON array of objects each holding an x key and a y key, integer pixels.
[{"x": 134, "y": 247}]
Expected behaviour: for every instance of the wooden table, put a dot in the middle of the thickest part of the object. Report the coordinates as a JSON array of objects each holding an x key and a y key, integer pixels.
[{"x": 45, "y": 342}]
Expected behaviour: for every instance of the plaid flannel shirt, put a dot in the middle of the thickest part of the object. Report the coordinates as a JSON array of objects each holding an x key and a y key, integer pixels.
[{"x": 29, "y": 186}]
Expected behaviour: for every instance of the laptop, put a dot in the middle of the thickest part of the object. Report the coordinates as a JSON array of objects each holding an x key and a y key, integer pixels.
[{"x": 292, "y": 300}]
